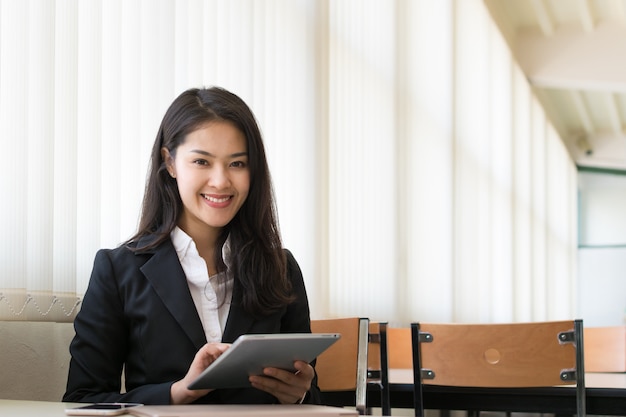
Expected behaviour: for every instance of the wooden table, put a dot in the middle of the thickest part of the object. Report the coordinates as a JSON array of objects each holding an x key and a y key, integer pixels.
[
  {"x": 605, "y": 395},
  {"x": 20, "y": 408}
]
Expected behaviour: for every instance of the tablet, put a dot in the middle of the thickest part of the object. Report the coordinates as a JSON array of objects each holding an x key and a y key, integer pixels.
[{"x": 252, "y": 352}]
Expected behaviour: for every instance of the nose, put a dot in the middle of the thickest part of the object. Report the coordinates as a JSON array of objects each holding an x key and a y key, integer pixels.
[{"x": 218, "y": 177}]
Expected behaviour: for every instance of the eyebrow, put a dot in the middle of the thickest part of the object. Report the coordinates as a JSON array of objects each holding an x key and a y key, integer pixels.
[{"x": 234, "y": 155}]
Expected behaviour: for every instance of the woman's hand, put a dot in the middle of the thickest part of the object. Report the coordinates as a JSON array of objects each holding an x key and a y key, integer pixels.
[
  {"x": 204, "y": 357},
  {"x": 287, "y": 387}
]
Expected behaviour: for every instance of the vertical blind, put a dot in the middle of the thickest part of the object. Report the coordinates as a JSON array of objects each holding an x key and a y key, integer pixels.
[{"x": 416, "y": 175}]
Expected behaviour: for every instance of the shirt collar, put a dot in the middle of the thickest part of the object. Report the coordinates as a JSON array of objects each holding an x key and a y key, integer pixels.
[{"x": 184, "y": 246}]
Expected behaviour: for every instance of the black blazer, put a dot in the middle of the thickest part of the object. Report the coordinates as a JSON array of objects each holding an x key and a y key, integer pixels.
[{"x": 138, "y": 314}]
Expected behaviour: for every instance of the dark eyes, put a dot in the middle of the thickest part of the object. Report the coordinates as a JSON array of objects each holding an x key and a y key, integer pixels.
[
  {"x": 239, "y": 164},
  {"x": 234, "y": 164}
]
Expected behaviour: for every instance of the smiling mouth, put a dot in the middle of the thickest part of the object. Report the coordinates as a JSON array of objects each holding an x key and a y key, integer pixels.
[{"x": 215, "y": 199}]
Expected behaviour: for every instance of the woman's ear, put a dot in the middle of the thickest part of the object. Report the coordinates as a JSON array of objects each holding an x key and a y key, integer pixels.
[{"x": 169, "y": 161}]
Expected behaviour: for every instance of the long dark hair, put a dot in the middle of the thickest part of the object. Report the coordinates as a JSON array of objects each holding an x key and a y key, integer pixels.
[{"x": 258, "y": 260}]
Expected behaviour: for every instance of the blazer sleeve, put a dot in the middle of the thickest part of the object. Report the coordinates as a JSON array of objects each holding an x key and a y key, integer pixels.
[{"x": 100, "y": 345}]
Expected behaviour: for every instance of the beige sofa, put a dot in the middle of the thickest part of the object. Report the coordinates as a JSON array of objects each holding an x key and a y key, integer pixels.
[{"x": 34, "y": 359}]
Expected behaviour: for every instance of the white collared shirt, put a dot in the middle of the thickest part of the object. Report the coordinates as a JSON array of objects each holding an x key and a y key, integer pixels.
[{"x": 207, "y": 292}]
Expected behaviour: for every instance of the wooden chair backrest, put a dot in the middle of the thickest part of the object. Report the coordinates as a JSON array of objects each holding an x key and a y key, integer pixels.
[
  {"x": 605, "y": 349},
  {"x": 498, "y": 355},
  {"x": 337, "y": 366},
  {"x": 399, "y": 348}
]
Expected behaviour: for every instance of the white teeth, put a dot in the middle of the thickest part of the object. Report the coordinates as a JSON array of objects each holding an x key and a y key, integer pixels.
[{"x": 215, "y": 200}]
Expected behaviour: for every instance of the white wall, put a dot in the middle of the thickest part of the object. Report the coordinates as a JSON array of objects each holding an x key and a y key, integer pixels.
[
  {"x": 602, "y": 251},
  {"x": 602, "y": 288}
]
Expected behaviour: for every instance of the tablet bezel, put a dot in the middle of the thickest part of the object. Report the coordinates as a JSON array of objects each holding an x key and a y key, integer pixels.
[{"x": 250, "y": 353}]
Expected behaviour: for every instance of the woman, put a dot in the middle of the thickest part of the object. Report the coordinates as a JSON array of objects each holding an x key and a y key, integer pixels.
[{"x": 205, "y": 267}]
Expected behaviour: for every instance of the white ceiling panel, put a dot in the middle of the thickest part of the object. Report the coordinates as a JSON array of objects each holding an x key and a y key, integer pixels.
[{"x": 573, "y": 52}]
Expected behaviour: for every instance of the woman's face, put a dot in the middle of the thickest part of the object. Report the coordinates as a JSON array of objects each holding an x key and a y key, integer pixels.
[{"x": 211, "y": 169}]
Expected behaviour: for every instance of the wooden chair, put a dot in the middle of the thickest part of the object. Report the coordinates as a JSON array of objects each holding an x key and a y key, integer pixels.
[
  {"x": 343, "y": 366},
  {"x": 605, "y": 349},
  {"x": 399, "y": 348},
  {"x": 499, "y": 355},
  {"x": 354, "y": 365}
]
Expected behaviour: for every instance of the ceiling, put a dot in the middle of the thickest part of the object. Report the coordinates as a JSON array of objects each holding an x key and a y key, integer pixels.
[{"x": 573, "y": 53}]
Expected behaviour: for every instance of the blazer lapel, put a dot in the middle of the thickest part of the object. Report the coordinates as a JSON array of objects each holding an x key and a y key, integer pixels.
[
  {"x": 239, "y": 321},
  {"x": 168, "y": 279}
]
